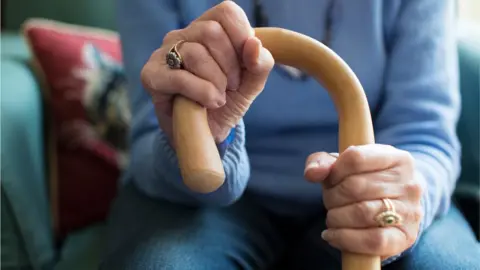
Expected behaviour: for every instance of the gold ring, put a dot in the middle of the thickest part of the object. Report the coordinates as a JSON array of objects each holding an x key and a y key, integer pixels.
[
  {"x": 388, "y": 217},
  {"x": 174, "y": 58}
]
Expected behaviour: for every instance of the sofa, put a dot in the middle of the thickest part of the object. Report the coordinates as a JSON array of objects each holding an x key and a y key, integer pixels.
[{"x": 28, "y": 239}]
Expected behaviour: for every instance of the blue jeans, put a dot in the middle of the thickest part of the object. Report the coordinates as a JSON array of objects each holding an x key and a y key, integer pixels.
[{"x": 153, "y": 234}]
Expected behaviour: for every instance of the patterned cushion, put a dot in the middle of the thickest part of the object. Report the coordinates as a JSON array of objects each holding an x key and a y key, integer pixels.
[{"x": 88, "y": 117}]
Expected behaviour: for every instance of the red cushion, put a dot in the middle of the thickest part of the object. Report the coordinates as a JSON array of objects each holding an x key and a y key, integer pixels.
[{"x": 85, "y": 96}]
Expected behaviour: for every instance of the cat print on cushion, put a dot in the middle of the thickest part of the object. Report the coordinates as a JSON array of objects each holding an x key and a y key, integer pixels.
[{"x": 105, "y": 101}]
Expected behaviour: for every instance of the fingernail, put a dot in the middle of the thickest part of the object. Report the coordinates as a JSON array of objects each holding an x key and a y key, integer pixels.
[
  {"x": 326, "y": 235},
  {"x": 220, "y": 103},
  {"x": 234, "y": 86},
  {"x": 259, "y": 55},
  {"x": 312, "y": 165},
  {"x": 252, "y": 32},
  {"x": 260, "y": 44},
  {"x": 334, "y": 154},
  {"x": 351, "y": 147},
  {"x": 235, "y": 81}
]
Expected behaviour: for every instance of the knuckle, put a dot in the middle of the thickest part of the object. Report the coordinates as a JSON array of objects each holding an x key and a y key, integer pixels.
[
  {"x": 417, "y": 214},
  {"x": 407, "y": 159},
  {"x": 414, "y": 189},
  {"x": 148, "y": 77},
  {"x": 230, "y": 8},
  {"x": 354, "y": 158},
  {"x": 170, "y": 36},
  {"x": 210, "y": 96},
  {"x": 145, "y": 77},
  {"x": 194, "y": 55},
  {"x": 223, "y": 81},
  {"x": 203, "y": 93},
  {"x": 212, "y": 30},
  {"x": 327, "y": 201},
  {"x": 376, "y": 242},
  {"x": 345, "y": 189},
  {"x": 177, "y": 83},
  {"x": 363, "y": 211},
  {"x": 352, "y": 187},
  {"x": 330, "y": 220}
]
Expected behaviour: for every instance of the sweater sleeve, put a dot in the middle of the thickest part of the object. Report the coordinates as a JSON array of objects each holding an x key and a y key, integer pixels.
[
  {"x": 153, "y": 164},
  {"x": 422, "y": 102}
]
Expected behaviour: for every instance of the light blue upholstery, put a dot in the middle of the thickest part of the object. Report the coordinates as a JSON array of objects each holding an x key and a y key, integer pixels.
[
  {"x": 467, "y": 193},
  {"x": 468, "y": 127},
  {"x": 24, "y": 193},
  {"x": 14, "y": 46}
]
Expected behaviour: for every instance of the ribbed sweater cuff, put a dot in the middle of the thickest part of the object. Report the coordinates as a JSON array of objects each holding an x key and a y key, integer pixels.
[{"x": 235, "y": 164}]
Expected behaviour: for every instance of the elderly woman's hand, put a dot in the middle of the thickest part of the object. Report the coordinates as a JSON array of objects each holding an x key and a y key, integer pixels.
[
  {"x": 224, "y": 65},
  {"x": 357, "y": 187}
]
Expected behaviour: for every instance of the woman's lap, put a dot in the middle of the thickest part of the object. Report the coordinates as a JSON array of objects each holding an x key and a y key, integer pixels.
[
  {"x": 149, "y": 234},
  {"x": 448, "y": 244}
]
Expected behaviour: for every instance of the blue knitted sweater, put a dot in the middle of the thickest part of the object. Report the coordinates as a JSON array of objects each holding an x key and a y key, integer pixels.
[{"x": 403, "y": 53}]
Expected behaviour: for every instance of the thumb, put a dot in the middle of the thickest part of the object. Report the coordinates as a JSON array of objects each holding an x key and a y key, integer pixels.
[
  {"x": 318, "y": 166},
  {"x": 258, "y": 63}
]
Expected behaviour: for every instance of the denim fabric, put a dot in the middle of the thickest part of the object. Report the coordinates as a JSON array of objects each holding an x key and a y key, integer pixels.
[{"x": 151, "y": 234}]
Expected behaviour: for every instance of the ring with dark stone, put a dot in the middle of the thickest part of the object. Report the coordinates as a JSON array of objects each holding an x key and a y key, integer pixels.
[
  {"x": 173, "y": 60},
  {"x": 173, "y": 57}
]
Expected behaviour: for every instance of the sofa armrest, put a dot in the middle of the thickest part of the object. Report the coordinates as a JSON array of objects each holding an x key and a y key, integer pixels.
[
  {"x": 468, "y": 125},
  {"x": 23, "y": 169},
  {"x": 466, "y": 193}
]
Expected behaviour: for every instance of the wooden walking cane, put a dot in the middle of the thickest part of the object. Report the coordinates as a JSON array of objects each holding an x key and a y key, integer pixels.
[{"x": 199, "y": 160}]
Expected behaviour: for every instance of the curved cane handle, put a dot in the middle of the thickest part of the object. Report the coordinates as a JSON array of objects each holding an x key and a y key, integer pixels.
[{"x": 200, "y": 163}]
